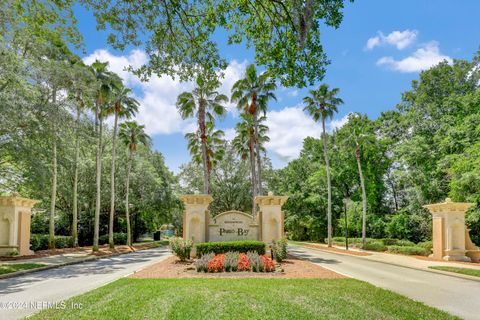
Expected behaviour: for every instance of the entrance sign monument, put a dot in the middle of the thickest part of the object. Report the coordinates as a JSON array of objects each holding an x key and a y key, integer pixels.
[
  {"x": 200, "y": 226},
  {"x": 451, "y": 240}
]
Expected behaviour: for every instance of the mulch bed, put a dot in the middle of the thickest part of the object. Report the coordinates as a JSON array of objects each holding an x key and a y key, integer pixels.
[
  {"x": 103, "y": 251},
  {"x": 293, "y": 267},
  {"x": 333, "y": 249}
]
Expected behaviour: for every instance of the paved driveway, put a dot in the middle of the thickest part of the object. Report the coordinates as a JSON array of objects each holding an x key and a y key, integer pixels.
[
  {"x": 457, "y": 296},
  {"x": 24, "y": 295}
]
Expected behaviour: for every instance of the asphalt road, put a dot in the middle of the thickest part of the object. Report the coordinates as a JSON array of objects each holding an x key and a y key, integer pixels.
[
  {"x": 457, "y": 296},
  {"x": 24, "y": 295}
]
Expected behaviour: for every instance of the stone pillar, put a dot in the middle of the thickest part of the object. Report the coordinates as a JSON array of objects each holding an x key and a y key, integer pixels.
[
  {"x": 196, "y": 217},
  {"x": 448, "y": 230},
  {"x": 271, "y": 217},
  {"x": 15, "y": 213}
]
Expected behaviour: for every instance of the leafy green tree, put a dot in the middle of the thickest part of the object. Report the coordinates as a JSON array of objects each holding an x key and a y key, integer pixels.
[
  {"x": 205, "y": 103},
  {"x": 178, "y": 35},
  {"x": 123, "y": 106},
  {"x": 132, "y": 135},
  {"x": 322, "y": 104}
]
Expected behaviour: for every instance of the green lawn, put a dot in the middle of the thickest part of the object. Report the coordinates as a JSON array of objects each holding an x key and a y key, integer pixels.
[
  {"x": 9, "y": 268},
  {"x": 467, "y": 271},
  {"x": 242, "y": 299}
]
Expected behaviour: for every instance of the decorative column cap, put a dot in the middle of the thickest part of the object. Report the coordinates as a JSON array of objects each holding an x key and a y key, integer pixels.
[
  {"x": 271, "y": 200},
  {"x": 200, "y": 199},
  {"x": 449, "y": 206},
  {"x": 17, "y": 201}
]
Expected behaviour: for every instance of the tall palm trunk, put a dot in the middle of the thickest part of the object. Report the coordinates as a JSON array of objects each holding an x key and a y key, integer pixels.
[
  {"x": 53, "y": 197},
  {"x": 364, "y": 195},
  {"x": 96, "y": 229},
  {"x": 112, "y": 183},
  {"x": 253, "y": 172},
  {"x": 127, "y": 205},
  {"x": 203, "y": 138},
  {"x": 329, "y": 186},
  {"x": 258, "y": 155},
  {"x": 75, "y": 181}
]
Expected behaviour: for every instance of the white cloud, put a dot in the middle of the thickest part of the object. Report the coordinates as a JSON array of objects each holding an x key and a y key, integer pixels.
[
  {"x": 337, "y": 123},
  {"x": 230, "y": 133},
  {"x": 399, "y": 39},
  {"x": 423, "y": 58},
  {"x": 157, "y": 97},
  {"x": 293, "y": 93}
]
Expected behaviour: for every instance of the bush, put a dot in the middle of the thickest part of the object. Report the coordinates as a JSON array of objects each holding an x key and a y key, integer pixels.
[
  {"x": 374, "y": 246},
  {"x": 427, "y": 245},
  {"x": 181, "y": 248},
  {"x": 279, "y": 249},
  {"x": 409, "y": 250},
  {"x": 202, "y": 263},
  {"x": 255, "y": 261},
  {"x": 119, "y": 238},
  {"x": 405, "y": 243},
  {"x": 224, "y": 247},
  {"x": 389, "y": 241},
  {"x": 40, "y": 242},
  {"x": 231, "y": 261},
  {"x": 216, "y": 264}
]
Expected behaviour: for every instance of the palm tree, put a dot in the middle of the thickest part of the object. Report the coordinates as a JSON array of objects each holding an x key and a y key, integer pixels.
[
  {"x": 244, "y": 142},
  {"x": 251, "y": 95},
  {"x": 132, "y": 135},
  {"x": 205, "y": 103},
  {"x": 104, "y": 85},
  {"x": 80, "y": 85},
  {"x": 215, "y": 144},
  {"x": 322, "y": 104},
  {"x": 123, "y": 106}
]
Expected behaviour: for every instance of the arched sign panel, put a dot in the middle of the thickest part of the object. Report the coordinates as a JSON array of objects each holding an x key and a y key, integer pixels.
[{"x": 232, "y": 226}]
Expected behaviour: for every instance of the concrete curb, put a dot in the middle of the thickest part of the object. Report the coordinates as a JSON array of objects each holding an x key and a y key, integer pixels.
[
  {"x": 445, "y": 273},
  {"x": 59, "y": 265}
]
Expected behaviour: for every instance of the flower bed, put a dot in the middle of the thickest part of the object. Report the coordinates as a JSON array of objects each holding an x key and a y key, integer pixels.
[{"x": 233, "y": 262}]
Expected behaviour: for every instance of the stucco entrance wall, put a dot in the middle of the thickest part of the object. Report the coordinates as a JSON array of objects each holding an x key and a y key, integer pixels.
[
  {"x": 451, "y": 240},
  {"x": 232, "y": 226},
  {"x": 200, "y": 226},
  {"x": 15, "y": 213}
]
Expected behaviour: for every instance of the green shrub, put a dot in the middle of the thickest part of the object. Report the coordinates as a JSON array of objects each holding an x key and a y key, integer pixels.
[
  {"x": 119, "y": 238},
  {"x": 427, "y": 245},
  {"x": 279, "y": 249},
  {"x": 40, "y": 242},
  {"x": 236, "y": 246},
  {"x": 231, "y": 261},
  {"x": 409, "y": 250},
  {"x": 374, "y": 246},
  {"x": 255, "y": 261},
  {"x": 181, "y": 248},
  {"x": 201, "y": 265},
  {"x": 389, "y": 241},
  {"x": 405, "y": 243}
]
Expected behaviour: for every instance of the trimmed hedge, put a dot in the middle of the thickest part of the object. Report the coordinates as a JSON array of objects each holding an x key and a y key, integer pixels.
[
  {"x": 374, "y": 246},
  {"x": 427, "y": 245},
  {"x": 40, "y": 242},
  {"x": 119, "y": 238},
  {"x": 409, "y": 250},
  {"x": 233, "y": 246}
]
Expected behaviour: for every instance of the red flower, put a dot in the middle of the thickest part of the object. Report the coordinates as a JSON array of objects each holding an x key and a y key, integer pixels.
[
  {"x": 216, "y": 264},
  {"x": 268, "y": 264},
  {"x": 243, "y": 262}
]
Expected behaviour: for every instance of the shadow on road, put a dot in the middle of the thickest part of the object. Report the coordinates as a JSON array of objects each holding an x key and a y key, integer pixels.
[{"x": 312, "y": 258}]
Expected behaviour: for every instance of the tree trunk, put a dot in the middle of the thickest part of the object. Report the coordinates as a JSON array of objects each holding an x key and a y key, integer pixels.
[
  {"x": 329, "y": 186},
  {"x": 75, "y": 182},
  {"x": 127, "y": 205},
  {"x": 203, "y": 138},
  {"x": 53, "y": 198},
  {"x": 252, "y": 168},
  {"x": 96, "y": 226},
  {"x": 258, "y": 156},
  {"x": 364, "y": 195},
  {"x": 112, "y": 184}
]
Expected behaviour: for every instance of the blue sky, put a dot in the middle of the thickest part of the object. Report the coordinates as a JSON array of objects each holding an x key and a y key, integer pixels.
[{"x": 379, "y": 48}]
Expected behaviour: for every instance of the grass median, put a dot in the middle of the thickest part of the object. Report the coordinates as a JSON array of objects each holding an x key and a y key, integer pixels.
[
  {"x": 242, "y": 299},
  {"x": 9, "y": 268}
]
